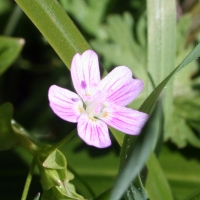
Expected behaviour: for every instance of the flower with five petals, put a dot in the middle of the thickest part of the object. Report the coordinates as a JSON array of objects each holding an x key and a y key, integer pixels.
[{"x": 99, "y": 103}]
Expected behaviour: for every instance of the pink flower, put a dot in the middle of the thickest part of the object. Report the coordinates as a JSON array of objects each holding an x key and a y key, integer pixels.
[{"x": 99, "y": 103}]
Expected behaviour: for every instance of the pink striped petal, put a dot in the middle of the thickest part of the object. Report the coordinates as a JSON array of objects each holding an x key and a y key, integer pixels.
[
  {"x": 120, "y": 86},
  {"x": 93, "y": 131},
  {"x": 124, "y": 119},
  {"x": 64, "y": 103},
  {"x": 85, "y": 73}
]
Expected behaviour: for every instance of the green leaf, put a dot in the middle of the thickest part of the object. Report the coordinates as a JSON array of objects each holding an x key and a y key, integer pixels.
[
  {"x": 4, "y": 6},
  {"x": 122, "y": 48},
  {"x": 104, "y": 196},
  {"x": 119, "y": 136},
  {"x": 10, "y": 49},
  {"x": 7, "y": 137},
  {"x": 55, "y": 160},
  {"x": 55, "y": 177},
  {"x": 56, "y": 193},
  {"x": 181, "y": 168},
  {"x": 89, "y": 14},
  {"x": 184, "y": 120},
  {"x": 156, "y": 184},
  {"x": 55, "y": 25},
  {"x": 24, "y": 138},
  {"x": 37, "y": 197},
  {"x": 151, "y": 99},
  {"x": 135, "y": 152},
  {"x": 161, "y": 18},
  {"x": 194, "y": 196},
  {"x": 52, "y": 173},
  {"x": 96, "y": 167}
]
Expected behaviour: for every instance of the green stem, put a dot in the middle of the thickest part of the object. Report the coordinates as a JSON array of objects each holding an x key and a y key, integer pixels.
[
  {"x": 12, "y": 22},
  {"x": 63, "y": 141},
  {"x": 23, "y": 138},
  {"x": 28, "y": 179}
]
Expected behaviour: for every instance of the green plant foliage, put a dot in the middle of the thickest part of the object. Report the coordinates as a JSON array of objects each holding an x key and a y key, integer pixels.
[
  {"x": 194, "y": 196},
  {"x": 37, "y": 197},
  {"x": 123, "y": 48},
  {"x": 55, "y": 177},
  {"x": 7, "y": 137},
  {"x": 161, "y": 47},
  {"x": 4, "y": 6},
  {"x": 135, "y": 152},
  {"x": 94, "y": 174},
  {"x": 156, "y": 184},
  {"x": 87, "y": 11},
  {"x": 151, "y": 99},
  {"x": 57, "y": 28},
  {"x": 136, "y": 33},
  {"x": 183, "y": 122},
  {"x": 10, "y": 49},
  {"x": 181, "y": 169},
  {"x": 147, "y": 106}
]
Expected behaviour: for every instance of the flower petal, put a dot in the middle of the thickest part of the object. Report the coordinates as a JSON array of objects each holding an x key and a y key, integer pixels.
[
  {"x": 124, "y": 119},
  {"x": 120, "y": 86},
  {"x": 64, "y": 103},
  {"x": 85, "y": 73},
  {"x": 93, "y": 131}
]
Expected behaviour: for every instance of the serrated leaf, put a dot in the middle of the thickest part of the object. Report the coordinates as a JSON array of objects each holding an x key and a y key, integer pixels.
[
  {"x": 7, "y": 137},
  {"x": 185, "y": 116},
  {"x": 147, "y": 107},
  {"x": 10, "y": 49},
  {"x": 151, "y": 99},
  {"x": 123, "y": 48},
  {"x": 88, "y": 13}
]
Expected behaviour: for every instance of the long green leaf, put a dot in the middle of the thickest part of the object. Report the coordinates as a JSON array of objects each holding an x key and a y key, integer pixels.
[
  {"x": 151, "y": 99},
  {"x": 129, "y": 141},
  {"x": 7, "y": 138},
  {"x": 10, "y": 49},
  {"x": 137, "y": 154},
  {"x": 181, "y": 169},
  {"x": 156, "y": 183},
  {"x": 194, "y": 196},
  {"x": 55, "y": 25},
  {"x": 161, "y": 18}
]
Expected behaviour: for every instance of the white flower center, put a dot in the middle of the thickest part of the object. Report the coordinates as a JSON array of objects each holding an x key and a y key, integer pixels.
[{"x": 96, "y": 104}]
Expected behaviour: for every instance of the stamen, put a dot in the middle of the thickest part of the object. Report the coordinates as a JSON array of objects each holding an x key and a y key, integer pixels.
[{"x": 94, "y": 106}]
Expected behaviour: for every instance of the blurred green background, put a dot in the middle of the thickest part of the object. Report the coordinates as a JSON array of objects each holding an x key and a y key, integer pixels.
[{"x": 117, "y": 31}]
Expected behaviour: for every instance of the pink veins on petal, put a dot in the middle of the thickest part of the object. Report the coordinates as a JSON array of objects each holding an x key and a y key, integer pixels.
[{"x": 98, "y": 103}]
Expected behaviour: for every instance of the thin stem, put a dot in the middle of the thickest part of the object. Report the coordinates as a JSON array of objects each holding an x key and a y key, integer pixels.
[
  {"x": 12, "y": 22},
  {"x": 23, "y": 137},
  {"x": 66, "y": 139},
  {"x": 28, "y": 179},
  {"x": 82, "y": 181}
]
